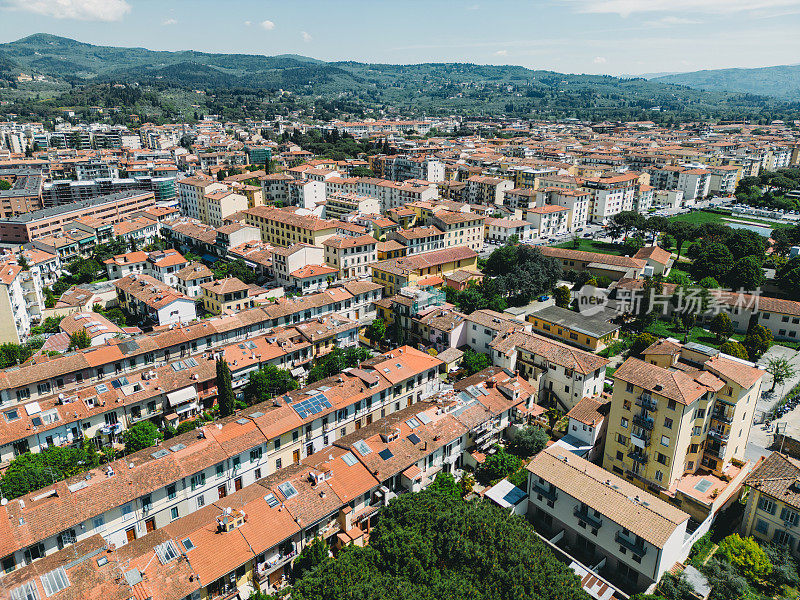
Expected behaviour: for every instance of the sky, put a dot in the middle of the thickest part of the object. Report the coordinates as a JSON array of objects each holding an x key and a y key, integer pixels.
[{"x": 615, "y": 37}]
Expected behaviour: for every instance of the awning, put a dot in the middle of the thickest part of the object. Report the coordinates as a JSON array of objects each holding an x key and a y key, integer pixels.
[
  {"x": 298, "y": 372},
  {"x": 186, "y": 394},
  {"x": 185, "y": 408}
]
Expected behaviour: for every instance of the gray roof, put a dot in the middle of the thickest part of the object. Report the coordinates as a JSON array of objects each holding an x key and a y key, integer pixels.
[
  {"x": 44, "y": 213},
  {"x": 593, "y": 325}
]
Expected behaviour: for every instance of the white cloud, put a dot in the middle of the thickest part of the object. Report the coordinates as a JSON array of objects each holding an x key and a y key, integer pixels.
[
  {"x": 82, "y": 10},
  {"x": 306, "y": 36},
  {"x": 629, "y": 7},
  {"x": 668, "y": 21},
  {"x": 169, "y": 22},
  {"x": 599, "y": 60},
  {"x": 268, "y": 25},
  {"x": 248, "y": 23},
  {"x": 501, "y": 53}
]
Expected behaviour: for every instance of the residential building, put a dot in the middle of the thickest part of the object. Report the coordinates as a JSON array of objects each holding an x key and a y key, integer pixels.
[
  {"x": 460, "y": 229},
  {"x": 614, "y": 267},
  {"x": 152, "y": 300},
  {"x": 591, "y": 332},
  {"x": 21, "y": 302},
  {"x": 284, "y": 228},
  {"x": 423, "y": 238},
  {"x": 396, "y": 273},
  {"x": 220, "y": 296},
  {"x": 548, "y": 221},
  {"x": 192, "y": 190},
  {"x": 350, "y": 256},
  {"x": 487, "y": 190}
]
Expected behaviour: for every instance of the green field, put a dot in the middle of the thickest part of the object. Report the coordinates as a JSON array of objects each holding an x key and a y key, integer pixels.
[
  {"x": 700, "y": 217},
  {"x": 586, "y": 245}
]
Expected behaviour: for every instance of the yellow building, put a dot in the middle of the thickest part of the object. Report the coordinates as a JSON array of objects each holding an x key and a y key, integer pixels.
[
  {"x": 225, "y": 295},
  {"x": 592, "y": 332},
  {"x": 680, "y": 411},
  {"x": 281, "y": 227},
  {"x": 460, "y": 229},
  {"x": 397, "y": 273}
]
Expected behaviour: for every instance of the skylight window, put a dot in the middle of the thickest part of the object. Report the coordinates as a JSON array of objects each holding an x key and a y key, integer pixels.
[
  {"x": 349, "y": 459},
  {"x": 362, "y": 447},
  {"x": 272, "y": 501},
  {"x": 55, "y": 581},
  {"x": 166, "y": 552},
  {"x": 287, "y": 489}
]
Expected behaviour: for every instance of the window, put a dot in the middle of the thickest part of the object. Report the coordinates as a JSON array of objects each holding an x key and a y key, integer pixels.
[
  {"x": 659, "y": 475},
  {"x": 629, "y": 387},
  {"x": 619, "y": 455},
  {"x": 667, "y": 423},
  {"x": 791, "y": 517},
  {"x": 662, "y": 458},
  {"x": 201, "y": 502},
  {"x": 671, "y": 404},
  {"x": 766, "y": 505},
  {"x": 127, "y": 511},
  {"x": 278, "y": 463},
  {"x": 697, "y": 430},
  {"x": 623, "y": 422},
  {"x": 171, "y": 493},
  {"x": 701, "y": 413},
  {"x": 174, "y": 512},
  {"x": 198, "y": 480},
  {"x": 761, "y": 526},
  {"x": 256, "y": 454},
  {"x": 99, "y": 523},
  {"x": 664, "y": 440},
  {"x": 621, "y": 439},
  {"x": 277, "y": 443},
  {"x": 220, "y": 470}
]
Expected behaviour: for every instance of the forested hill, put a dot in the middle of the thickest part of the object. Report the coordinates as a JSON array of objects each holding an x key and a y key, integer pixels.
[
  {"x": 782, "y": 81},
  {"x": 443, "y": 88}
]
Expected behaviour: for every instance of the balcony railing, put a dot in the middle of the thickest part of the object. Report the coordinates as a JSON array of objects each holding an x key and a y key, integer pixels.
[
  {"x": 637, "y": 548},
  {"x": 643, "y": 422},
  {"x": 718, "y": 435},
  {"x": 722, "y": 416},
  {"x": 717, "y": 452},
  {"x": 642, "y": 435},
  {"x": 647, "y": 402},
  {"x": 585, "y": 516},
  {"x": 548, "y": 493},
  {"x": 637, "y": 455}
]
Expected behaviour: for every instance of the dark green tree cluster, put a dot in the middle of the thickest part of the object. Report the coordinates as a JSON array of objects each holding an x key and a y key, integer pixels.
[
  {"x": 473, "y": 362},
  {"x": 433, "y": 545},
  {"x": 498, "y": 465},
  {"x": 33, "y": 471},
  {"x": 235, "y": 268},
  {"x": 522, "y": 272},
  {"x": 141, "y": 435},
  {"x": 226, "y": 400},
  {"x": 732, "y": 256},
  {"x": 15, "y": 354},
  {"x": 529, "y": 441},
  {"x": 335, "y": 361},
  {"x": 266, "y": 383},
  {"x": 768, "y": 189},
  {"x": 79, "y": 340},
  {"x": 487, "y": 294}
]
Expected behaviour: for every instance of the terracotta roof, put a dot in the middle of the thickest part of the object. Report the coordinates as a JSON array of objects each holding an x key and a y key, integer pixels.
[
  {"x": 590, "y": 411},
  {"x": 676, "y": 385},
  {"x": 618, "y": 500},
  {"x": 593, "y": 257},
  {"x": 555, "y": 352},
  {"x": 777, "y": 476},
  {"x": 656, "y": 253}
]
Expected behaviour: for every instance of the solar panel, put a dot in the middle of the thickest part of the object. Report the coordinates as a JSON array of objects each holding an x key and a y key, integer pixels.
[
  {"x": 311, "y": 406},
  {"x": 271, "y": 500},
  {"x": 413, "y": 438},
  {"x": 349, "y": 459},
  {"x": 385, "y": 454},
  {"x": 287, "y": 489},
  {"x": 425, "y": 419},
  {"x": 362, "y": 447}
]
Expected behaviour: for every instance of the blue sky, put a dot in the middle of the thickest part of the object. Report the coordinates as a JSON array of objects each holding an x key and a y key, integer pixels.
[{"x": 574, "y": 36}]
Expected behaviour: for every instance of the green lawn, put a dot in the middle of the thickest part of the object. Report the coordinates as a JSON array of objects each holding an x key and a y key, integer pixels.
[
  {"x": 587, "y": 245},
  {"x": 698, "y": 335},
  {"x": 700, "y": 217}
]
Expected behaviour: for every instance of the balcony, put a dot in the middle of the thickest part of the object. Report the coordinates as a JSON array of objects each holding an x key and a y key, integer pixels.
[
  {"x": 584, "y": 515},
  {"x": 643, "y": 422},
  {"x": 640, "y": 438},
  {"x": 646, "y": 401},
  {"x": 549, "y": 493},
  {"x": 718, "y": 434},
  {"x": 722, "y": 416},
  {"x": 635, "y": 547},
  {"x": 637, "y": 455},
  {"x": 718, "y": 452}
]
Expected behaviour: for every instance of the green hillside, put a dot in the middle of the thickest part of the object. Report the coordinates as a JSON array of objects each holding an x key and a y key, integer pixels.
[{"x": 780, "y": 82}]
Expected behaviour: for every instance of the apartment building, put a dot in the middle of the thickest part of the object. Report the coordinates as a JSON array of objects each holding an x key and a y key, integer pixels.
[
  {"x": 151, "y": 300},
  {"x": 190, "y": 278},
  {"x": 576, "y": 201},
  {"x": 615, "y": 267},
  {"x": 694, "y": 183},
  {"x": 566, "y": 374},
  {"x": 500, "y": 231},
  {"x": 21, "y": 301},
  {"x": 284, "y": 228},
  {"x": 24, "y": 196},
  {"x": 423, "y": 238},
  {"x": 350, "y": 256},
  {"x": 113, "y": 208},
  {"x": 683, "y": 410},
  {"x": 216, "y": 206},
  {"x": 191, "y": 191},
  {"x": 339, "y": 205},
  {"x": 631, "y": 537},
  {"x": 487, "y": 190},
  {"x": 772, "y": 512},
  {"x": 610, "y": 195},
  {"x": 723, "y": 179},
  {"x": 549, "y": 220},
  {"x": 591, "y": 332},
  {"x": 460, "y": 229},
  {"x": 206, "y": 465},
  {"x": 396, "y": 273},
  {"x": 223, "y": 296}
]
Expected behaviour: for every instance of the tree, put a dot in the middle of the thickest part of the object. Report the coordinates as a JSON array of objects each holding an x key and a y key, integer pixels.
[
  {"x": 743, "y": 242},
  {"x": 656, "y": 225},
  {"x": 780, "y": 369},
  {"x": 708, "y": 283},
  {"x": 734, "y": 349},
  {"x": 642, "y": 342},
  {"x": 681, "y": 231},
  {"x": 632, "y": 245},
  {"x": 266, "y": 383},
  {"x": 714, "y": 260},
  {"x": 376, "y": 331},
  {"x": 562, "y": 296},
  {"x": 29, "y": 471},
  {"x": 225, "y": 397},
  {"x": 445, "y": 487},
  {"x": 747, "y": 273},
  {"x": 498, "y": 465},
  {"x": 4, "y": 185},
  {"x": 722, "y": 326},
  {"x": 747, "y": 557},
  {"x": 140, "y": 435},
  {"x": 788, "y": 278},
  {"x": 313, "y": 555},
  {"x": 474, "y": 362},
  {"x": 429, "y": 546},
  {"x": 529, "y": 442},
  {"x": 79, "y": 340},
  {"x": 757, "y": 341}
]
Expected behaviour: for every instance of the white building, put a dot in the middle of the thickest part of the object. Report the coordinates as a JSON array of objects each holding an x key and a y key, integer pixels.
[
  {"x": 286, "y": 261},
  {"x": 694, "y": 183},
  {"x": 20, "y": 301},
  {"x": 351, "y": 256}
]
